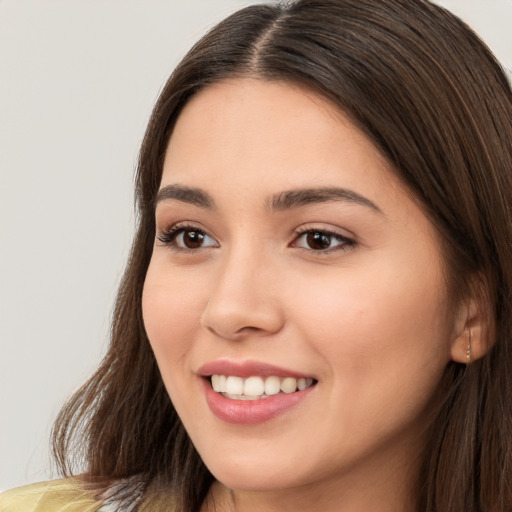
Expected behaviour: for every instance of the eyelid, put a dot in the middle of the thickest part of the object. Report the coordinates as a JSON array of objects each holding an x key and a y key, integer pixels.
[
  {"x": 347, "y": 242},
  {"x": 168, "y": 236}
]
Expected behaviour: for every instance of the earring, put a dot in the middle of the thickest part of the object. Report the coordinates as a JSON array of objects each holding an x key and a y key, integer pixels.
[{"x": 468, "y": 350}]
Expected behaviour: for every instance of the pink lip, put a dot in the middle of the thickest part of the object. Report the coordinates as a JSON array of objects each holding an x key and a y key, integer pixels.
[
  {"x": 246, "y": 369},
  {"x": 249, "y": 412}
]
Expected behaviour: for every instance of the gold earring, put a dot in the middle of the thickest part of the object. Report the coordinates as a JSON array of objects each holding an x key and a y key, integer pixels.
[{"x": 468, "y": 350}]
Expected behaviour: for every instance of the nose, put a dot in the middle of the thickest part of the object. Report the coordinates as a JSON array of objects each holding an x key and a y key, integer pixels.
[{"x": 244, "y": 300}]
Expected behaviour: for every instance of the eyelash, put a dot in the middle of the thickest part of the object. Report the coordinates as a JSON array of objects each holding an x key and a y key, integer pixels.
[
  {"x": 168, "y": 238},
  {"x": 346, "y": 243}
]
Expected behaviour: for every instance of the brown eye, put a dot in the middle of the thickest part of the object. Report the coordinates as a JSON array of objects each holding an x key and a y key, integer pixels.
[
  {"x": 185, "y": 238},
  {"x": 322, "y": 241},
  {"x": 318, "y": 241},
  {"x": 192, "y": 239}
]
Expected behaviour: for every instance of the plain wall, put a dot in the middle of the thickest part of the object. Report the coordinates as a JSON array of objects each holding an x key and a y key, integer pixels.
[{"x": 78, "y": 79}]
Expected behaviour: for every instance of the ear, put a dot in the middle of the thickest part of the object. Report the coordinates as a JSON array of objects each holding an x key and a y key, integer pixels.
[{"x": 473, "y": 333}]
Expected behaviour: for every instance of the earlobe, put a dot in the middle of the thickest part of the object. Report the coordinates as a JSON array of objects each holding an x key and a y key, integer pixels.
[
  {"x": 467, "y": 347},
  {"x": 473, "y": 328}
]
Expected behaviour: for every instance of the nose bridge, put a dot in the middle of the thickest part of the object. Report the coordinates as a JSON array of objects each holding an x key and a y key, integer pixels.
[{"x": 243, "y": 298}]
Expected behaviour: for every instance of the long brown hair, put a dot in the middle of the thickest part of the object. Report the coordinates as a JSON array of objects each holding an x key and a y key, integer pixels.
[{"x": 433, "y": 99}]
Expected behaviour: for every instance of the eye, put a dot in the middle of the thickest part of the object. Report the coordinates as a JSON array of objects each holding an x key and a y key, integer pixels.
[
  {"x": 321, "y": 241},
  {"x": 186, "y": 238}
]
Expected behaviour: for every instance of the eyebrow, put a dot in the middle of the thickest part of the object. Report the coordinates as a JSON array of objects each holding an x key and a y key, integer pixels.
[
  {"x": 304, "y": 197},
  {"x": 190, "y": 195},
  {"x": 283, "y": 201}
]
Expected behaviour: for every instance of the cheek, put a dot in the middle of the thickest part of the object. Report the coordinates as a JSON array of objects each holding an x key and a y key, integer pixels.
[
  {"x": 384, "y": 332},
  {"x": 373, "y": 306},
  {"x": 171, "y": 312}
]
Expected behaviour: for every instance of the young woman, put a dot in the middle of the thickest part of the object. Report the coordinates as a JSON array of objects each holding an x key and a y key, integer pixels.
[{"x": 316, "y": 314}]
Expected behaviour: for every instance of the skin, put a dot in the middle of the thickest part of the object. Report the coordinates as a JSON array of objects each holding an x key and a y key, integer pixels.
[{"x": 368, "y": 319}]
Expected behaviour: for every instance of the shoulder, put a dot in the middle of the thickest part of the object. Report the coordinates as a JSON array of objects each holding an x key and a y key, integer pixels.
[{"x": 64, "y": 495}]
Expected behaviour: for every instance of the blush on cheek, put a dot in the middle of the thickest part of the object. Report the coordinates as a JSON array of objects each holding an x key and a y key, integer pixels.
[
  {"x": 170, "y": 322},
  {"x": 157, "y": 322}
]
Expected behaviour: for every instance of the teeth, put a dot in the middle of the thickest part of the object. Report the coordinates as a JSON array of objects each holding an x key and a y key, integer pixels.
[
  {"x": 272, "y": 385},
  {"x": 255, "y": 387},
  {"x": 288, "y": 385},
  {"x": 244, "y": 397},
  {"x": 234, "y": 385},
  {"x": 219, "y": 383}
]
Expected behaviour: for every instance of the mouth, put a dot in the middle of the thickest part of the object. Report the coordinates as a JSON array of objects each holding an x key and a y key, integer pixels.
[
  {"x": 257, "y": 387},
  {"x": 253, "y": 392}
]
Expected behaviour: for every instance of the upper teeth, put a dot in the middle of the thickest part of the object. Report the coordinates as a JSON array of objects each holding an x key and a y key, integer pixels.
[{"x": 258, "y": 386}]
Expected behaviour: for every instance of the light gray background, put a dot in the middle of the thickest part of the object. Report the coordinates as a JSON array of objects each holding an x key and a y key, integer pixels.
[{"x": 78, "y": 79}]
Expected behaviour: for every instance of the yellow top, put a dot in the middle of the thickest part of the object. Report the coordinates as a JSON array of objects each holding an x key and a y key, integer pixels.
[{"x": 64, "y": 495}]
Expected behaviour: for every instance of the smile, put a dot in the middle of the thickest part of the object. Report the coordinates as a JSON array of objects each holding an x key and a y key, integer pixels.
[
  {"x": 252, "y": 392},
  {"x": 256, "y": 388}
]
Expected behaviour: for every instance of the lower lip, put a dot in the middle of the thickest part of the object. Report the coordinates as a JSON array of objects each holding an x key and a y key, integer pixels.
[{"x": 251, "y": 412}]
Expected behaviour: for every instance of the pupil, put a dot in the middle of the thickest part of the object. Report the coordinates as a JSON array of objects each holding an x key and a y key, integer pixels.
[
  {"x": 318, "y": 240},
  {"x": 193, "y": 239}
]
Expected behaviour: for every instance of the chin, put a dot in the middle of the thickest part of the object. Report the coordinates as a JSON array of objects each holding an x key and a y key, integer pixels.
[
  {"x": 252, "y": 480},
  {"x": 260, "y": 472}
]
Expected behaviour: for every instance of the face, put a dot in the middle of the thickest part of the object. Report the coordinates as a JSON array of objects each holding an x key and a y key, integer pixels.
[{"x": 291, "y": 263}]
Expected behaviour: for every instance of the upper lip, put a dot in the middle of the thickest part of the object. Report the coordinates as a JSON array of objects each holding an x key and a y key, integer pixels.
[{"x": 246, "y": 369}]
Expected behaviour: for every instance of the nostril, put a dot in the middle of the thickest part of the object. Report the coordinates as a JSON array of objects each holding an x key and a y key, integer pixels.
[{"x": 232, "y": 315}]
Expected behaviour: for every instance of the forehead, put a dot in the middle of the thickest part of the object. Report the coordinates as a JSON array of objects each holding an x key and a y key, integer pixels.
[{"x": 262, "y": 130}]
